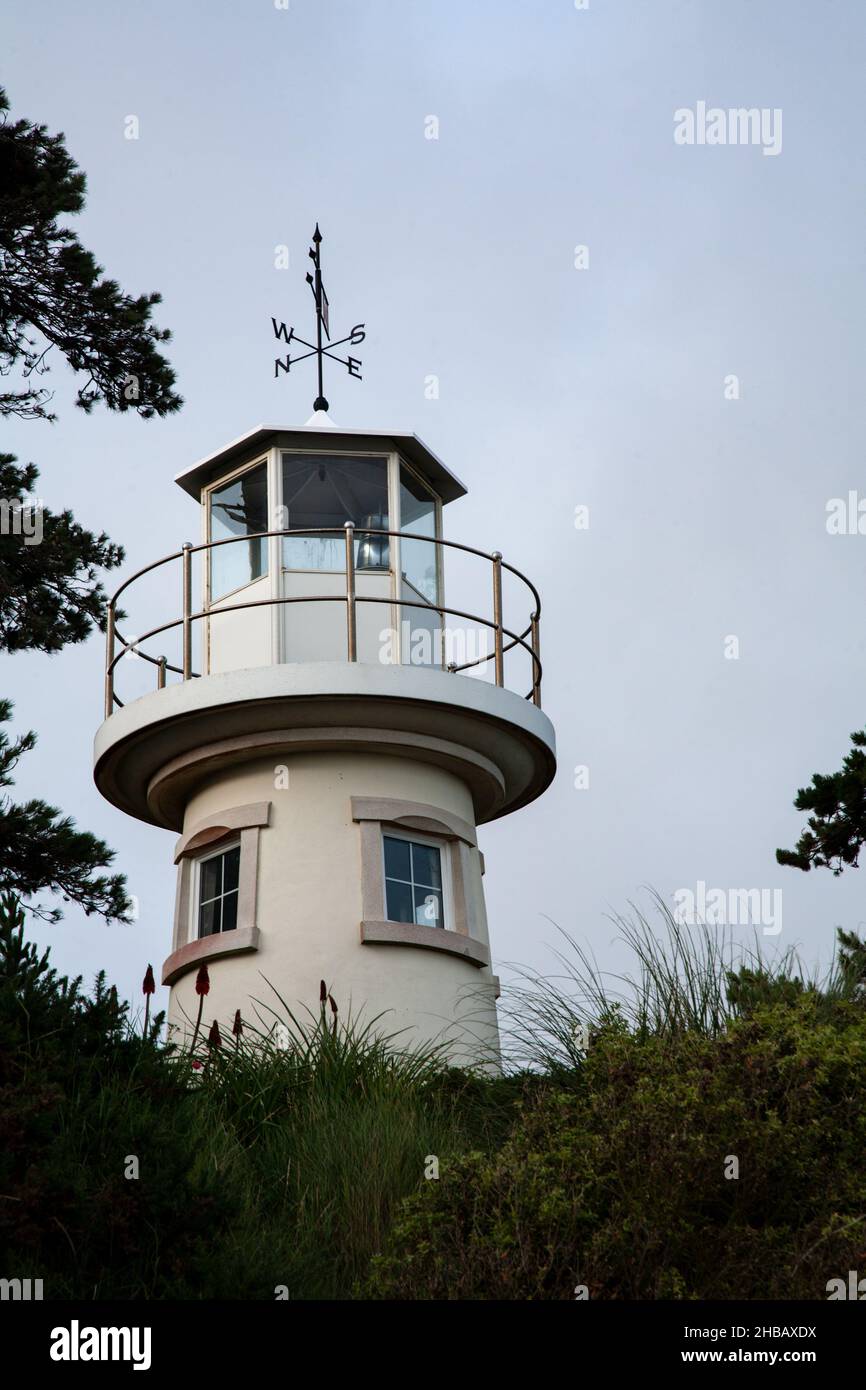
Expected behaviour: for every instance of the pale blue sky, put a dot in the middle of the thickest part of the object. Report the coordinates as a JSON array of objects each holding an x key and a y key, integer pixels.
[{"x": 558, "y": 387}]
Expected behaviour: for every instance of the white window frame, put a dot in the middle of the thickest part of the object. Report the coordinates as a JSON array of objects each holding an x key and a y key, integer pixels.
[
  {"x": 457, "y": 843},
  {"x": 261, "y": 461},
  {"x": 395, "y": 461},
  {"x": 214, "y": 835},
  {"x": 376, "y": 454},
  {"x": 400, "y": 463},
  {"x": 195, "y": 897},
  {"x": 415, "y": 837}
]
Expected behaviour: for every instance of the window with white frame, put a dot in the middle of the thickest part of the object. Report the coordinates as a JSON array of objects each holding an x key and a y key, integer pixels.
[
  {"x": 415, "y": 880},
  {"x": 328, "y": 490},
  {"x": 216, "y": 897},
  {"x": 418, "y": 557},
  {"x": 237, "y": 509}
]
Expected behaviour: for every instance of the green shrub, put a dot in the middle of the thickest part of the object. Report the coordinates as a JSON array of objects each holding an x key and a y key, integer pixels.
[
  {"x": 617, "y": 1181},
  {"x": 79, "y": 1093},
  {"x": 306, "y": 1164},
  {"x": 260, "y": 1166}
]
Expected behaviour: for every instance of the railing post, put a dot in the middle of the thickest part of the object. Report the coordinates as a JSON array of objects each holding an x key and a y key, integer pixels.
[
  {"x": 160, "y": 675},
  {"x": 109, "y": 660},
  {"x": 351, "y": 616},
  {"x": 498, "y": 660},
  {"x": 536, "y": 661},
  {"x": 187, "y": 610}
]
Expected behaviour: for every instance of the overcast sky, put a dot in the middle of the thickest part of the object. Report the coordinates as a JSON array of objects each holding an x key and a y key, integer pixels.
[{"x": 560, "y": 387}]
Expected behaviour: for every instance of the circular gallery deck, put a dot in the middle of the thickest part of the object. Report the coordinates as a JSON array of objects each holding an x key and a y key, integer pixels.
[{"x": 151, "y": 752}]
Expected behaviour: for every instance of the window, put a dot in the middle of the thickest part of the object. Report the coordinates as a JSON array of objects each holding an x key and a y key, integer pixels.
[
  {"x": 215, "y": 907},
  {"x": 418, "y": 558},
  {"x": 328, "y": 490},
  {"x": 238, "y": 508},
  {"x": 218, "y": 877},
  {"x": 413, "y": 882},
  {"x": 420, "y": 872}
]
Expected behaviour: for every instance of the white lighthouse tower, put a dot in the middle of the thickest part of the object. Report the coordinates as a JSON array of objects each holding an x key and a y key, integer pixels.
[{"x": 325, "y": 728}]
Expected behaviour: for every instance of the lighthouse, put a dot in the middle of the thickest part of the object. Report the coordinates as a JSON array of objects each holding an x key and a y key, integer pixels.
[{"x": 324, "y": 716}]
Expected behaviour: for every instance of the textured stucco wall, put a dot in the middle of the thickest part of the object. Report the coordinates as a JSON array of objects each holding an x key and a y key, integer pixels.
[{"x": 309, "y": 907}]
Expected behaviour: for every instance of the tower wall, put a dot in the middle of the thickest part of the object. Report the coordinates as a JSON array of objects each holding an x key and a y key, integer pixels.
[
  {"x": 367, "y": 749},
  {"x": 314, "y": 876}
]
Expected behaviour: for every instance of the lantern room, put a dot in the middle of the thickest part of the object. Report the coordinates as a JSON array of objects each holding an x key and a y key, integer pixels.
[{"x": 287, "y": 514}]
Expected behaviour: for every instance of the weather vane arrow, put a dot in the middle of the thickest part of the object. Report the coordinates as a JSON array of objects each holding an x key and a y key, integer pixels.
[{"x": 317, "y": 350}]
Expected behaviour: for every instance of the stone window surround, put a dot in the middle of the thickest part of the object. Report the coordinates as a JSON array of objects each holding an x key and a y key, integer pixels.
[
  {"x": 238, "y": 823},
  {"x": 375, "y": 815}
]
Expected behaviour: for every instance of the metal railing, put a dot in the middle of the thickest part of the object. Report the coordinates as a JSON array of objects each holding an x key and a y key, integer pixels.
[{"x": 504, "y": 639}]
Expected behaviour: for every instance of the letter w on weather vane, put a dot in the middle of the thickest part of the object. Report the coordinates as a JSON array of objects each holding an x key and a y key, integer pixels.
[{"x": 317, "y": 349}]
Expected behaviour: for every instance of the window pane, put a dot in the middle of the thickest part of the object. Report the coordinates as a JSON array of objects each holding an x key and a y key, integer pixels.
[
  {"x": 208, "y": 918},
  {"x": 398, "y": 898},
  {"x": 240, "y": 508},
  {"x": 428, "y": 907},
  {"x": 231, "y": 866},
  {"x": 230, "y": 911},
  {"x": 418, "y": 558},
  {"x": 218, "y": 892},
  {"x": 329, "y": 490},
  {"x": 426, "y": 866},
  {"x": 210, "y": 882},
  {"x": 397, "y": 858}
]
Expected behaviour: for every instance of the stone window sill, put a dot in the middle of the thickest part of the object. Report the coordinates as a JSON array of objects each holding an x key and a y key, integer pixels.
[
  {"x": 427, "y": 938},
  {"x": 208, "y": 948}
]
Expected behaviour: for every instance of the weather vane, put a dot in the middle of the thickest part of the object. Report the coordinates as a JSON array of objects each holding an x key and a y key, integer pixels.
[{"x": 356, "y": 336}]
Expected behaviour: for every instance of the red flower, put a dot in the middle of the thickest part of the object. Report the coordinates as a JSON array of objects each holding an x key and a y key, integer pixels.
[
  {"x": 202, "y": 986},
  {"x": 237, "y": 1026},
  {"x": 213, "y": 1037},
  {"x": 196, "y": 1066},
  {"x": 323, "y": 992},
  {"x": 149, "y": 985},
  {"x": 332, "y": 1004}
]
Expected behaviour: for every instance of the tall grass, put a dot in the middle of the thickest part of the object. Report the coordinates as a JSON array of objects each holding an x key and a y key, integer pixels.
[
  {"x": 322, "y": 1124},
  {"x": 687, "y": 978}
]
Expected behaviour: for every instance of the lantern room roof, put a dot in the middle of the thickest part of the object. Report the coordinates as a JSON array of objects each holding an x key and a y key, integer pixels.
[{"x": 325, "y": 436}]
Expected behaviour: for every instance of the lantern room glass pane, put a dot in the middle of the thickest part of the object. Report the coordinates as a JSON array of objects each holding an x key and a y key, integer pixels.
[
  {"x": 239, "y": 508},
  {"x": 327, "y": 490},
  {"x": 418, "y": 515}
]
